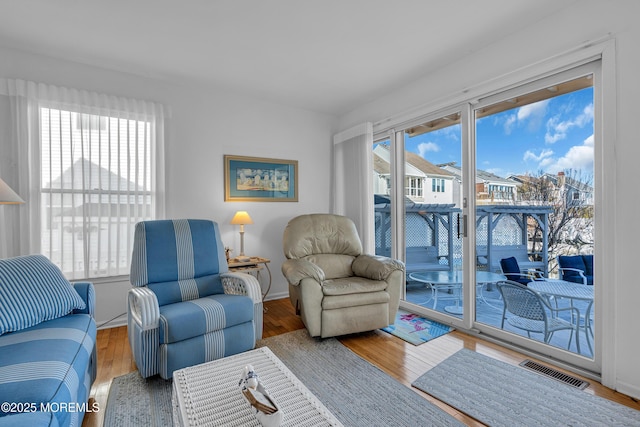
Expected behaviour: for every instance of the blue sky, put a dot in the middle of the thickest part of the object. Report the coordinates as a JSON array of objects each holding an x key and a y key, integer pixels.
[{"x": 551, "y": 135}]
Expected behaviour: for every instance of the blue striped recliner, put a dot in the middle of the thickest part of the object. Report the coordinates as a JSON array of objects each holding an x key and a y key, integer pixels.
[{"x": 185, "y": 307}]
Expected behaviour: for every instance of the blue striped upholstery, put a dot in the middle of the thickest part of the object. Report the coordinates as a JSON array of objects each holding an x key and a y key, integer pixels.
[
  {"x": 51, "y": 363},
  {"x": 179, "y": 314},
  {"x": 33, "y": 290},
  {"x": 40, "y": 419}
]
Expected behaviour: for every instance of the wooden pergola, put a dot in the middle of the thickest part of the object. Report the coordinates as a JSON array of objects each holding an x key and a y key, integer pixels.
[
  {"x": 446, "y": 216},
  {"x": 524, "y": 216}
]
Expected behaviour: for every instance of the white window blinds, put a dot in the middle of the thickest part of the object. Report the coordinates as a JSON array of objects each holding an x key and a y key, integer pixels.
[{"x": 99, "y": 173}]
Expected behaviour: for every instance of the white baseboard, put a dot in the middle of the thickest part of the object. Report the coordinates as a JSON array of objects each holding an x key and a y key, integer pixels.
[
  {"x": 115, "y": 323},
  {"x": 628, "y": 389},
  {"x": 271, "y": 296}
]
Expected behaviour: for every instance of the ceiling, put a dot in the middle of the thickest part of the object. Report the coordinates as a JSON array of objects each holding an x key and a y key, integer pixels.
[{"x": 329, "y": 56}]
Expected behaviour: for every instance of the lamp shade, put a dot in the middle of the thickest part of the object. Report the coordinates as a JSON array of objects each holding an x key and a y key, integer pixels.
[
  {"x": 8, "y": 196},
  {"x": 241, "y": 218}
]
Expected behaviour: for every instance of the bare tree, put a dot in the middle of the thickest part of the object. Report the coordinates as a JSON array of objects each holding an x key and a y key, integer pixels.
[{"x": 570, "y": 194}]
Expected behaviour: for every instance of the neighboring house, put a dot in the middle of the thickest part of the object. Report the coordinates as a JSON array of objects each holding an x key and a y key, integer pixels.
[
  {"x": 424, "y": 181},
  {"x": 567, "y": 188},
  {"x": 572, "y": 189},
  {"x": 490, "y": 188},
  {"x": 103, "y": 221}
]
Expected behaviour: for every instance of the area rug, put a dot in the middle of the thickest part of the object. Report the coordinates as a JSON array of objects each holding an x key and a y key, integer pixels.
[
  {"x": 499, "y": 394},
  {"x": 355, "y": 391},
  {"x": 415, "y": 329}
]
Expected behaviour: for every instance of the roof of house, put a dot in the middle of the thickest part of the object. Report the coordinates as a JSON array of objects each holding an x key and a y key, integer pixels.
[
  {"x": 381, "y": 165},
  {"x": 88, "y": 175},
  {"x": 425, "y": 165},
  {"x": 480, "y": 175}
]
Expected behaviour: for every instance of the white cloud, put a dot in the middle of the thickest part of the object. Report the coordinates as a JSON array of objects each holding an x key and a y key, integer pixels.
[
  {"x": 589, "y": 141},
  {"x": 530, "y": 155},
  {"x": 426, "y": 147},
  {"x": 578, "y": 157},
  {"x": 531, "y": 110},
  {"x": 533, "y": 114},
  {"x": 557, "y": 130},
  {"x": 509, "y": 123}
]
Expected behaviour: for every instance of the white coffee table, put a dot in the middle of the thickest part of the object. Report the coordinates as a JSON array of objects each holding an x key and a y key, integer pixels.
[{"x": 209, "y": 395}]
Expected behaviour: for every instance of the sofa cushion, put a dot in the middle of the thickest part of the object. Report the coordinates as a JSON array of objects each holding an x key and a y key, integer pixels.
[
  {"x": 33, "y": 290},
  {"x": 49, "y": 363},
  {"x": 189, "y": 319}
]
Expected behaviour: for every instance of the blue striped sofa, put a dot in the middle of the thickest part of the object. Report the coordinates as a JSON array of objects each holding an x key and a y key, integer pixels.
[
  {"x": 47, "y": 344},
  {"x": 185, "y": 307}
]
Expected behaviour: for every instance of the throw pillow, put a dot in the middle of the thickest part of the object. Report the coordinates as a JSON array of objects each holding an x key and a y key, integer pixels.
[{"x": 33, "y": 290}]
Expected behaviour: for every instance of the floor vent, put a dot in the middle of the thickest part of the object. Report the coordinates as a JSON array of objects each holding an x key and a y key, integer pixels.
[{"x": 555, "y": 374}]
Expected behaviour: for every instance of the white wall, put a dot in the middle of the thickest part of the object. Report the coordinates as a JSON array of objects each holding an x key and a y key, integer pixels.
[
  {"x": 204, "y": 126},
  {"x": 586, "y": 20}
]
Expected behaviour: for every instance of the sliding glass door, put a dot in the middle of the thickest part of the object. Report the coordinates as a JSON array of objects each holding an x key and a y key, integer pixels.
[
  {"x": 535, "y": 206},
  {"x": 428, "y": 202},
  {"x": 505, "y": 179}
]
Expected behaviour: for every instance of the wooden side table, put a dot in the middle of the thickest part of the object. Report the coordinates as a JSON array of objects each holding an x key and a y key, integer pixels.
[{"x": 255, "y": 264}]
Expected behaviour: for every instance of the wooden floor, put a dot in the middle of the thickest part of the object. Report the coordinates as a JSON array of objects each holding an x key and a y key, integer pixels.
[{"x": 403, "y": 361}]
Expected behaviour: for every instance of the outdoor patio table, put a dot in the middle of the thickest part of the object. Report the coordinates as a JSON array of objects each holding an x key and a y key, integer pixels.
[
  {"x": 452, "y": 280},
  {"x": 573, "y": 291}
]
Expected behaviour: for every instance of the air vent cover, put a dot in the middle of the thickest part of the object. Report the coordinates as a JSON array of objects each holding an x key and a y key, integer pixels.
[{"x": 555, "y": 374}]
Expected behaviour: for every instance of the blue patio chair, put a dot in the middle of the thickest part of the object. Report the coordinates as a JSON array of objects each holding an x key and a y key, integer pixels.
[
  {"x": 511, "y": 270},
  {"x": 576, "y": 268},
  {"x": 185, "y": 307},
  {"x": 531, "y": 312}
]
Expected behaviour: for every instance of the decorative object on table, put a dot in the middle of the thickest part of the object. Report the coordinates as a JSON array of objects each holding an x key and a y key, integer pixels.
[
  {"x": 415, "y": 329},
  {"x": 255, "y": 179},
  {"x": 500, "y": 394},
  {"x": 241, "y": 218},
  {"x": 227, "y": 253},
  {"x": 8, "y": 196},
  {"x": 267, "y": 410}
]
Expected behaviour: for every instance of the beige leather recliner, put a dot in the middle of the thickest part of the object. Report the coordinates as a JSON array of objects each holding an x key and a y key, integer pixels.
[{"x": 334, "y": 287}]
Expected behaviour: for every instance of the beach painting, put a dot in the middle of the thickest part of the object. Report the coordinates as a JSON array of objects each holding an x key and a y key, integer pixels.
[{"x": 260, "y": 179}]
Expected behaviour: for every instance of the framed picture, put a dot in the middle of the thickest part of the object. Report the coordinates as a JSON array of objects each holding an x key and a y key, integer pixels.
[{"x": 255, "y": 179}]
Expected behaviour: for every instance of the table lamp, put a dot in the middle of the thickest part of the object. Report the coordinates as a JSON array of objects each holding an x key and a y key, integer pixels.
[
  {"x": 8, "y": 196},
  {"x": 241, "y": 218}
]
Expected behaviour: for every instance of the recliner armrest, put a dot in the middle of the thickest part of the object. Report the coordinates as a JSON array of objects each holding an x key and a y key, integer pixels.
[
  {"x": 242, "y": 284},
  {"x": 375, "y": 267},
  {"x": 297, "y": 269},
  {"x": 144, "y": 308}
]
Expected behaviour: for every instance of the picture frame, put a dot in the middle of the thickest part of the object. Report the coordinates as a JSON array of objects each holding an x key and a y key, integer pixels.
[{"x": 259, "y": 179}]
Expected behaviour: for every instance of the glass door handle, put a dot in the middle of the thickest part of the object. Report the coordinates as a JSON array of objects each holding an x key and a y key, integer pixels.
[{"x": 461, "y": 226}]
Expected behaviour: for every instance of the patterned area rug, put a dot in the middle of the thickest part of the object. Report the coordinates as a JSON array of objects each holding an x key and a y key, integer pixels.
[
  {"x": 415, "y": 329},
  {"x": 499, "y": 394},
  {"x": 355, "y": 391}
]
